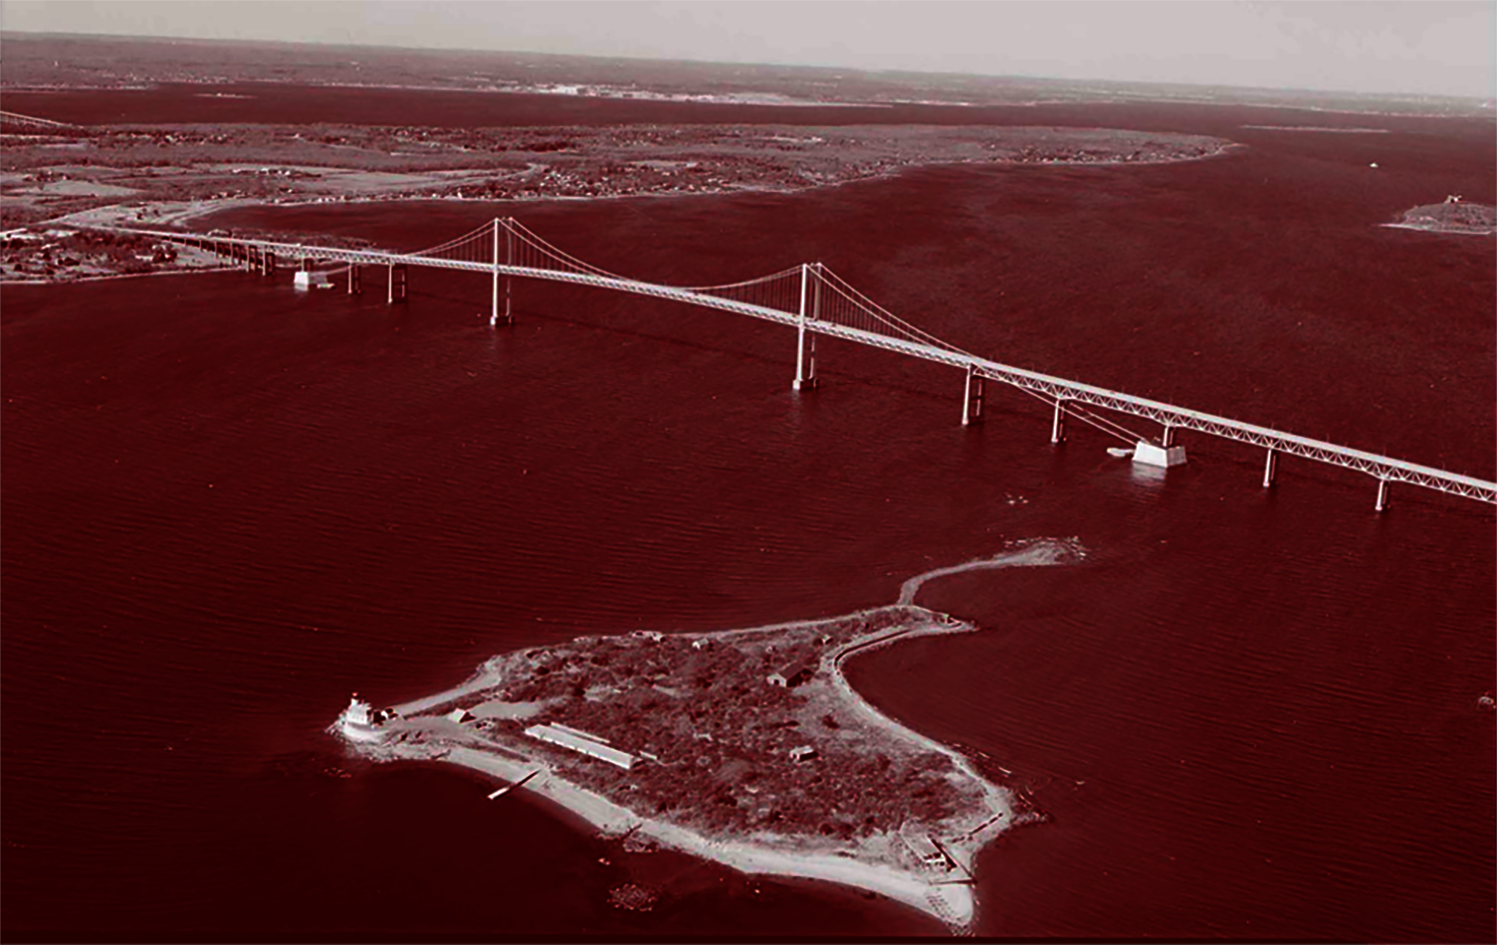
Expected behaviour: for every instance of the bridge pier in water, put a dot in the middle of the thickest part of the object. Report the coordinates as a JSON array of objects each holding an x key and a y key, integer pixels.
[
  {"x": 1269, "y": 479},
  {"x": 1059, "y": 422},
  {"x": 267, "y": 263},
  {"x": 807, "y": 360},
  {"x": 973, "y": 397},
  {"x": 497, "y": 315},
  {"x": 807, "y": 345},
  {"x": 395, "y": 283},
  {"x": 1164, "y": 455},
  {"x": 354, "y": 286},
  {"x": 1382, "y": 495}
]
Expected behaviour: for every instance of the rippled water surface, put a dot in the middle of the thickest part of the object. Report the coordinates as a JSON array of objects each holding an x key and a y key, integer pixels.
[{"x": 1251, "y": 713}]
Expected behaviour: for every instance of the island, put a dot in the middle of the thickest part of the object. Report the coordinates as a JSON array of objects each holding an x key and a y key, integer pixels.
[
  {"x": 1453, "y": 215},
  {"x": 746, "y": 747}
]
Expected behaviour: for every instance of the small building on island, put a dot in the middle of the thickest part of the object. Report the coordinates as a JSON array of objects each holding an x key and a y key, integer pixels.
[
  {"x": 579, "y": 741},
  {"x": 792, "y": 675},
  {"x": 803, "y": 754}
]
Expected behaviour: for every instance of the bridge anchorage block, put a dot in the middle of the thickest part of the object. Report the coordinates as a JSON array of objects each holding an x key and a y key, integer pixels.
[{"x": 1153, "y": 455}]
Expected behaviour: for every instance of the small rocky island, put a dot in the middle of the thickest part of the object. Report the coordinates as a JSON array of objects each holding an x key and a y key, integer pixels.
[
  {"x": 1453, "y": 215},
  {"x": 747, "y": 747}
]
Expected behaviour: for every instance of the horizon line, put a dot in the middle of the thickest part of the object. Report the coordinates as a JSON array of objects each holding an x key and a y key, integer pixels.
[{"x": 860, "y": 70}]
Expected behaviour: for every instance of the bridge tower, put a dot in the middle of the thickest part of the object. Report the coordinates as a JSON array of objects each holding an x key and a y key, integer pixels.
[
  {"x": 807, "y": 345},
  {"x": 973, "y": 397},
  {"x": 510, "y": 257}
]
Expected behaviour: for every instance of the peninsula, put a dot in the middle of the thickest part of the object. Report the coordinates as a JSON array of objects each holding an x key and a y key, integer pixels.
[{"x": 747, "y": 747}]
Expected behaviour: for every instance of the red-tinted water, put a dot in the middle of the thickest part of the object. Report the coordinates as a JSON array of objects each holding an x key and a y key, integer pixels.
[{"x": 1253, "y": 714}]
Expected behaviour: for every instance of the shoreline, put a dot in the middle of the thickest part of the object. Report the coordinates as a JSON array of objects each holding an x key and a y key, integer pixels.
[
  {"x": 1450, "y": 231},
  {"x": 949, "y": 897},
  {"x": 890, "y": 149},
  {"x": 179, "y": 214}
]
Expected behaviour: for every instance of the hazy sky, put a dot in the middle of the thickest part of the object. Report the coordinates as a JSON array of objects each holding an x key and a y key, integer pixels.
[{"x": 1409, "y": 46}]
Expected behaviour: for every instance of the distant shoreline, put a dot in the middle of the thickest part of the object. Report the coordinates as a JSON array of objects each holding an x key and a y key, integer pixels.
[{"x": 169, "y": 214}]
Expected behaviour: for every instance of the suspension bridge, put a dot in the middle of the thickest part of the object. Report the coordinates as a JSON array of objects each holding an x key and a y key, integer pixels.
[{"x": 815, "y": 302}]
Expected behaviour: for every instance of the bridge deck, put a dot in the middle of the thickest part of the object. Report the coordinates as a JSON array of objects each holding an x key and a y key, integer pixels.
[{"x": 1381, "y": 467}]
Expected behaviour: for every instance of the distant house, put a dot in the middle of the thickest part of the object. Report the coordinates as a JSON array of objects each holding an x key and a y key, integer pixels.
[
  {"x": 791, "y": 675},
  {"x": 803, "y": 754}
]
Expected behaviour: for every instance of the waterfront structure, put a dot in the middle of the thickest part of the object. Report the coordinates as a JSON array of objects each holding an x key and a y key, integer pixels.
[
  {"x": 310, "y": 280},
  {"x": 815, "y": 301},
  {"x": 359, "y": 723},
  {"x": 559, "y": 735},
  {"x": 920, "y": 843}
]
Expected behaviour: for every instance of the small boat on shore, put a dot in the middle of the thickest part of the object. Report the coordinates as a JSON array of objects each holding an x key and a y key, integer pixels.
[
  {"x": 1121, "y": 452},
  {"x": 358, "y": 724}
]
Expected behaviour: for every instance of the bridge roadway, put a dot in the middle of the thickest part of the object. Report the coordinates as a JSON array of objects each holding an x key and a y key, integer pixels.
[{"x": 1385, "y": 469}]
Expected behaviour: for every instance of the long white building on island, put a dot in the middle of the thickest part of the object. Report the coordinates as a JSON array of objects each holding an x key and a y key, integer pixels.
[{"x": 568, "y": 738}]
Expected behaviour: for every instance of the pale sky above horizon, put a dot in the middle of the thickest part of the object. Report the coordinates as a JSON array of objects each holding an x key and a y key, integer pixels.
[{"x": 1443, "y": 48}]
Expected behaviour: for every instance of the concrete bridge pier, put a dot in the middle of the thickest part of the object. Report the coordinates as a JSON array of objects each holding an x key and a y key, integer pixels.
[
  {"x": 973, "y": 397},
  {"x": 395, "y": 283},
  {"x": 1165, "y": 455},
  {"x": 354, "y": 287},
  {"x": 807, "y": 345},
  {"x": 1270, "y": 478},
  {"x": 267, "y": 263},
  {"x": 1059, "y": 422},
  {"x": 1382, "y": 495},
  {"x": 807, "y": 360},
  {"x": 501, "y": 314}
]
